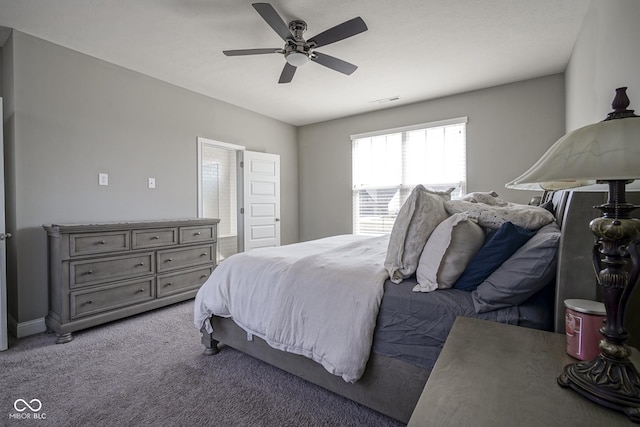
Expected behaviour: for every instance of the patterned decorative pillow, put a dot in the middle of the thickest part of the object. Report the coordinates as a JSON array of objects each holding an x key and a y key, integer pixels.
[
  {"x": 416, "y": 220},
  {"x": 492, "y": 217},
  {"x": 486, "y": 197},
  {"x": 447, "y": 252}
]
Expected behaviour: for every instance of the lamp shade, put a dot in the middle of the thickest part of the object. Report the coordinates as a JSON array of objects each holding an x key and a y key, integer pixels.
[
  {"x": 604, "y": 151},
  {"x": 608, "y": 150}
]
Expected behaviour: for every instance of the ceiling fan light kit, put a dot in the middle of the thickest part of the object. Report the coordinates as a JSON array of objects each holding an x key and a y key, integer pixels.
[
  {"x": 297, "y": 59},
  {"x": 298, "y": 51}
]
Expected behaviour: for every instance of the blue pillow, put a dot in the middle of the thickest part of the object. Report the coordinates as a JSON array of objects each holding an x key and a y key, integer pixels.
[{"x": 496, "y": 250}]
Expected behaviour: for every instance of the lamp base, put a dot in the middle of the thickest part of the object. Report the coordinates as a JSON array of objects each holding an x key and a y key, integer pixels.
[{"x": 609, "y": 381}]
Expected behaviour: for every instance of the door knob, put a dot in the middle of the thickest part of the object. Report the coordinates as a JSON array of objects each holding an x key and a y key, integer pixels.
[
  {"x": 277, "y": 219},
  {"x": 5, "y": 236}
]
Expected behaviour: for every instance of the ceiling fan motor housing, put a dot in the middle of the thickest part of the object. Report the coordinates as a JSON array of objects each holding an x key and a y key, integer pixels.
[{"x": 298, "y": 27}]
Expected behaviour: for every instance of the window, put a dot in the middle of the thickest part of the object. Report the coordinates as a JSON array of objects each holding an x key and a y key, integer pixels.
[{"x": 387, "y": 165}]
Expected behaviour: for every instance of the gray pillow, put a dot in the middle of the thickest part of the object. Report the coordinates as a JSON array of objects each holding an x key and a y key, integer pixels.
[
  {"x": 416, "y": 220},
  {"x": 526, "y": 272},
  {"x": 447, "y": 252}
]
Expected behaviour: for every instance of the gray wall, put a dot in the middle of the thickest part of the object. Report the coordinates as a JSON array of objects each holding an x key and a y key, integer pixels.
[
  {"x": 74, "y": 116},
  {"x": 1, "y": 71},
  {"x": 509, "y": 128},
  {"x": 606, "y": 56}
]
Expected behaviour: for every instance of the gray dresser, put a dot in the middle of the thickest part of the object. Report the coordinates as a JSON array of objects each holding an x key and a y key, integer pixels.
[{"x": 103, "y": 272}]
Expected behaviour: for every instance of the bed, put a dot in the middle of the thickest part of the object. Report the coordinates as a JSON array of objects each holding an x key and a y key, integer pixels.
[{"x": 410, "y": 324}]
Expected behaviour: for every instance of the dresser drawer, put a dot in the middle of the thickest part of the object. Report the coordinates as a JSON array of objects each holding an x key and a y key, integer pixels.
[
  {"x": 184, "y": 257},
  {"x": 202, "y": 233},
  {"x": 141, "y": 239},
  {"x": 89, "y": 272},
  {"x": 98, "y": 243},
  {"x": 87, "y": 302},
  {"x": 172, "y": 283}
]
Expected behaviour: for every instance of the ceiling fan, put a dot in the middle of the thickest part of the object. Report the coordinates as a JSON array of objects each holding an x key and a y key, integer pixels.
[{"x": 298, "y": 51}]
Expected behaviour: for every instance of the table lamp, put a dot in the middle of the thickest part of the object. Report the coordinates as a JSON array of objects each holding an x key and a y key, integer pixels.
[{"x": 607, "y": 152}]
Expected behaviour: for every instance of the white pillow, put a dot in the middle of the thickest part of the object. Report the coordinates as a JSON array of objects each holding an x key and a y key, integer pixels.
[
  {"x": 417, "y": 218},
  {"x": 492, "y": 217},
  {"x": 447, "y": 252}
]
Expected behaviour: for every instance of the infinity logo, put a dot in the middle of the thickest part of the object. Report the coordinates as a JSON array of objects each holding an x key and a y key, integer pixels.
[{"x": 35, "y": 408}]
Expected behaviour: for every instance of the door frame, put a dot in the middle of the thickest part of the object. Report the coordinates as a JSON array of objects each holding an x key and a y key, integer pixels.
[
  {"x": 4, "y": 333},
  {"x": 201, "y": 141},
  {"x": 239, "y": 149}
]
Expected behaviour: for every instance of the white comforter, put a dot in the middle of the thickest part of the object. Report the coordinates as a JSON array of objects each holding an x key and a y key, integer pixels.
[{"x": 319, "y": 299}]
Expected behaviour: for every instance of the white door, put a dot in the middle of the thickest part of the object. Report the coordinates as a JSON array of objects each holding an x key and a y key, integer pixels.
[
  {"x": 261, "y": 212},
  {"x": 3, "y": 249}
]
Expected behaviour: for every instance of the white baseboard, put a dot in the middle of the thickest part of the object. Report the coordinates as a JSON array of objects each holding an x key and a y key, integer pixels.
[{"x": 24, "y": 329}]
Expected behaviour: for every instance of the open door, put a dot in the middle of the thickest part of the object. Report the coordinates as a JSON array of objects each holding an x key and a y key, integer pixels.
[
  {"x": 242, "y": 189},
  {"x": 3, "y": 249},
  {"x": 261, "y": 212}
]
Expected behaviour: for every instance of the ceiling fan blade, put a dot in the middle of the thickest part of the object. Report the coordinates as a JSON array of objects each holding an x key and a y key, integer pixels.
[
  {"x": 240, "y": 52},
  {"x": 274, "y": 20},
  {"x": 339, "y": 32},
  {"x": 334, "y": 63},
  {"x": 287, "y": 73}
]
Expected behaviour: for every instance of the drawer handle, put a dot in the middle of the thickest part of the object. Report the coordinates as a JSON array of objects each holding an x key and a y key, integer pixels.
[
  {"x": 88, "y": 272},
  {"x": 204, "y": 276},
  {"x": 140, "y": 290},
  {"x": 155, "y": 237},
  {"x": 169, "y": 284},
  {"x": 140, "y": 264},
  {"x": 102, "y": 242},
  {"x": 203, "y": 254},
  {"x": 168, "y": 260},
  {"x": 89, "y": 302},
  {"x": 197, "y": 234}
]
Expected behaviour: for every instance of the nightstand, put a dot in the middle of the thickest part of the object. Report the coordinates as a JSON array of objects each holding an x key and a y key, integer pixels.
[{"x": 496, "y": 375}]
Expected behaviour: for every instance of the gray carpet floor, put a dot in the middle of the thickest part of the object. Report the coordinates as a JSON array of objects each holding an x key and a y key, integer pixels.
[{"x": 149, "y": 370}]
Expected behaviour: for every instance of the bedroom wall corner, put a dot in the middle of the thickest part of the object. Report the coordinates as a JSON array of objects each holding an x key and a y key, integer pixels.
[{"x": 605, "y": 57}]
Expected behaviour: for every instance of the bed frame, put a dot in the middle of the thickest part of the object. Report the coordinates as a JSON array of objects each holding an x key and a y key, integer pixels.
[{"x": 391, "y": 386}]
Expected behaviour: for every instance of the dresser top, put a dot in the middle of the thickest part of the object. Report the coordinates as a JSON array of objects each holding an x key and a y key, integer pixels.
[{"x": 123, "y": 225}]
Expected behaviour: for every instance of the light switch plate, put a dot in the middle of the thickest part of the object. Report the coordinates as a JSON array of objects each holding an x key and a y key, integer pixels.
[
  {"x": 152, "y": 183},
  {"x": 103, "y": 179}
]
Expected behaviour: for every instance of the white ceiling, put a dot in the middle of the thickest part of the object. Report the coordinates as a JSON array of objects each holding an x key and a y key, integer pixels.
[{"x": 414, "y": 49}]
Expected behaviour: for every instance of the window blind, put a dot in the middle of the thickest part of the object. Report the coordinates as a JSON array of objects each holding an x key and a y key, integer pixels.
[{"x": 387, "y": 165}]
